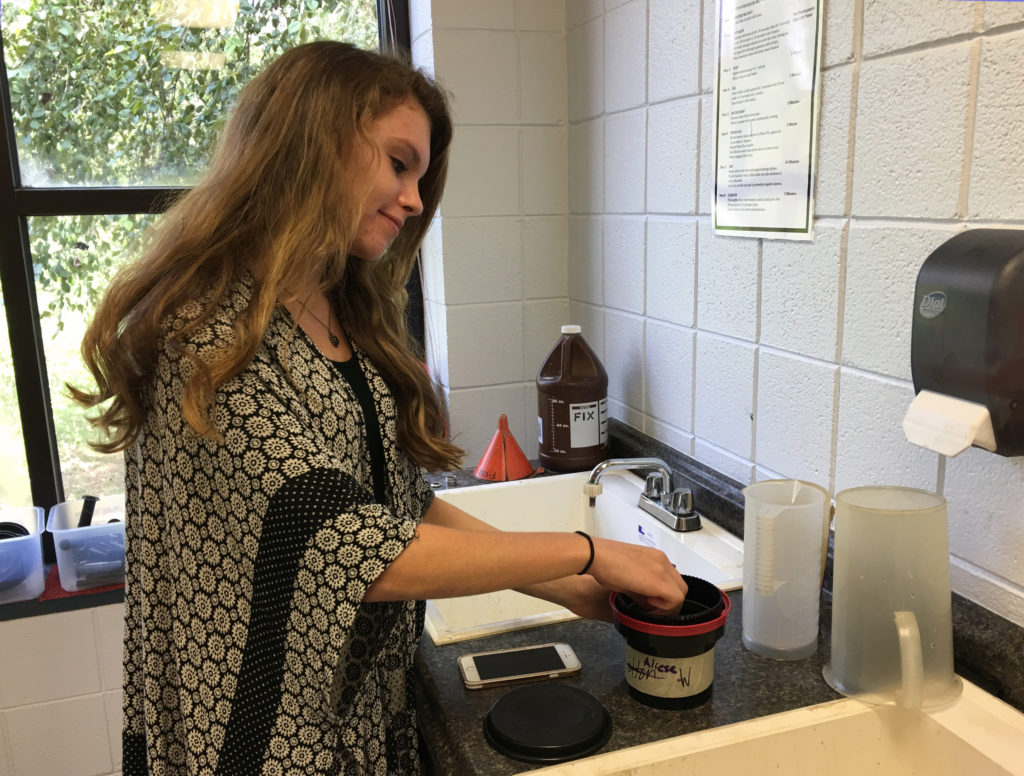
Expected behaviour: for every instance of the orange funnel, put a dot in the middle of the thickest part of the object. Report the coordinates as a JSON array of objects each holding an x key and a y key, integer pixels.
[{"x": 504, "y": 459}]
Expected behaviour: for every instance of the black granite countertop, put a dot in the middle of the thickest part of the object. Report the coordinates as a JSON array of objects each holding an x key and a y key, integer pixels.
[{"x": 745, "y": 686}]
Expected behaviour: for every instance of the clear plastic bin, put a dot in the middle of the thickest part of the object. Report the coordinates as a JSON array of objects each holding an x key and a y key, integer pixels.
[
  {"x": 21, "y": 557},
  {"x": 91, "y": 556}
]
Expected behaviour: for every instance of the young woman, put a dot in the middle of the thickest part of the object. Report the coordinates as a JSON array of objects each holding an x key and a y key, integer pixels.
[{"x": 275, "y": 426}]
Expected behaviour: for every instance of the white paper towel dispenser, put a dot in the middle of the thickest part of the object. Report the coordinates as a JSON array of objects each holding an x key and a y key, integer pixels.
[{"x": 967, "y": 345}]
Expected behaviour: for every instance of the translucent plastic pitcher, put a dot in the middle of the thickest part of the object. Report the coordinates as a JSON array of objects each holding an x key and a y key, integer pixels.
[
  {"x": 892, "y": 624},
  {"x": 785, "y": 535}
]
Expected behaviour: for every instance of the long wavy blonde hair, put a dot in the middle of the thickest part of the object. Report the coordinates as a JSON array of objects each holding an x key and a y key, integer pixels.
[{"x": 281, "y": 201}]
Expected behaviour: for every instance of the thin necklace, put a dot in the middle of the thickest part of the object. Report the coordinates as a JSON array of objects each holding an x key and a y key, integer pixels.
[{"x": 330, "y": 334}]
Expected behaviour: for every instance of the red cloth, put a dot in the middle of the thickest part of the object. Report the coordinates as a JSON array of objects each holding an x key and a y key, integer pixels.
[{"x": 54, "y": 590}]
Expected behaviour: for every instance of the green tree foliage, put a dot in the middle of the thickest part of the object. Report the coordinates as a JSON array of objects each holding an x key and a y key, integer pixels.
[{"x": 103, "y": 94}]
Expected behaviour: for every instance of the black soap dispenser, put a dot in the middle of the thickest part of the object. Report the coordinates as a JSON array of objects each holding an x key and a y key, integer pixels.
[{"x": 967, "y": 336}]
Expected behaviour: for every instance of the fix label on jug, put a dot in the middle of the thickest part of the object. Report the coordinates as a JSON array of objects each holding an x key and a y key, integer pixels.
[{"x": 572, "y": 405}]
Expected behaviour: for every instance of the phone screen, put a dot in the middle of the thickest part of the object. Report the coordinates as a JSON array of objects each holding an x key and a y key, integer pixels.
[{"x": 525, "y": 661}]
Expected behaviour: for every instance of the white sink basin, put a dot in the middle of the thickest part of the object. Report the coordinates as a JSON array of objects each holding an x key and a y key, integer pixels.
[
  {"x": 559, "y": 504},
  {"x": 976, "y": 735}
]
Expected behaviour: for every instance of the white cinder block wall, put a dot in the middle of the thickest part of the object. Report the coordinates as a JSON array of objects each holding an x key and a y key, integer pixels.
[
  {"x": 60, "y": 694},
  {"x": 760, "y": 358},
  {"x": 770, "y": 358},
  {"x": 495, "y": 264}
]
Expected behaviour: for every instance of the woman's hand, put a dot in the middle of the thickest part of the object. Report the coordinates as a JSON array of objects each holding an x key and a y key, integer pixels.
[
  {"x": 586, "y": 596},
  {"x": 643, "y": 573}
]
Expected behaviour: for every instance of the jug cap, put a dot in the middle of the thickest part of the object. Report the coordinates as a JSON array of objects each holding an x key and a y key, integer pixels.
[{"x": 571, "y": 328}]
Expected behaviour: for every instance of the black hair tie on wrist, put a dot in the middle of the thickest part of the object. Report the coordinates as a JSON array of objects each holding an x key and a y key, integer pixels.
[{"x": 591, "y": 561}]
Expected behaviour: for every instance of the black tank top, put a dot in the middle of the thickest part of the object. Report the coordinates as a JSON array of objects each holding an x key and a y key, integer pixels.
[{"x": 353, "y": 372}]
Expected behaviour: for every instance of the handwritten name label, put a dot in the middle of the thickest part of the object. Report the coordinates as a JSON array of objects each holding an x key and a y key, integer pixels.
[{"x": 667, "y": 677}]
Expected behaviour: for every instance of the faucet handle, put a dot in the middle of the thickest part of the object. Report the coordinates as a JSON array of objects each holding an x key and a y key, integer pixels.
[
  {"x": 681, "y": 502},
  {"x": 654, "y": 487}
]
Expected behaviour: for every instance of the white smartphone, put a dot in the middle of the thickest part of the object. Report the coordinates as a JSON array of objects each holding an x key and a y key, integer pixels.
[{"x": 521, "y": 664}]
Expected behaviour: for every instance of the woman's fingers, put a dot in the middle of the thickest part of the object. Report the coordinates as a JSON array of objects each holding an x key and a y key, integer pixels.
[{"x": 644, "y": 572}]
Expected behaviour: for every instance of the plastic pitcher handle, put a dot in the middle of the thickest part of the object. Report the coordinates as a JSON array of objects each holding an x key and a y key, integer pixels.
[{"x": 911, "y": 692}]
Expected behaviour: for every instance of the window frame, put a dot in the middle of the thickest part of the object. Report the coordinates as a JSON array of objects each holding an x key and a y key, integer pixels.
[{"x": 17, "y": 282}]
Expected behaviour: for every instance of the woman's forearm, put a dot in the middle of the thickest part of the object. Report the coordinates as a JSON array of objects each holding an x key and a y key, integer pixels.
[
  {"x": 565, "y": 591},
  {"x": 442, "y": 562},
  {"x": 455, "y": 554}
]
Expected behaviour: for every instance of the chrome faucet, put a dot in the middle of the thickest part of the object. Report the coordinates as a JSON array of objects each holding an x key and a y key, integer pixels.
[{"x": 673, "y": 507}]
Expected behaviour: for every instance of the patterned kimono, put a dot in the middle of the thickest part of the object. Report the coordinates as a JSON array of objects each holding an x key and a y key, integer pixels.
[{"x": 248, "y": 648}]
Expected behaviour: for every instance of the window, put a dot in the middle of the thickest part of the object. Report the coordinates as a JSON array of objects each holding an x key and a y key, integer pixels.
[{"x": 107, "y": 110}]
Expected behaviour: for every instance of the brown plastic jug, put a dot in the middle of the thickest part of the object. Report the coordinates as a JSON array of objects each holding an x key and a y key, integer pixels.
[{"x": 572, "y": 406}]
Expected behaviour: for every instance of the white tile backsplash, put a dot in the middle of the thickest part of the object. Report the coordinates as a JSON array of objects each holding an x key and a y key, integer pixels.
[
  {"x": 542, "y": 61},
  {"x": 108, "y": 622},
  {"x": 673, "y": 64},
  {"x": 473, "y": 14},
  {"x": 57, "y": 658},
  {"x": 837, "y": 36},
  {"x": 729, "y": 464},
  {"x": 997, "y": 165},
  {"x": 545, "y": 170},
  {"x": 77, "y": 741},
  {"x": 724, "y": 395},
  {"x": 671, "y": 269},
  {"x": 623, "y": 412},
  {"x": 727, "y": 283},
  {"x": 708, "y": 45},
  {"x": 545, "y": 257},
  {"x": 488, "y": 92},
  {"x": 483, "y": 260},
  {"x": 579, "y": 12},
  {"x": 541, "y": 15},
  {"x": 796, "y": 400},
  {"x": 910, "y": 133},
  {"x": 670, "y": 435},
  {"x": 432, "y": 262},
  {"x": 870, "y": 447},
  {"x": 5, "y": 750},
  {"x": 624, "y": 358},
  {"x": 112, "y": 703},
  {"x": 886, "y": 30},
  {"x": 483, "y": 175},
  {"x": 984, "y": 508},
  {"x": 489, "y": 338},
  {"x": 625, "y": 57},
  {"x": 586, "y": 167},
  {"x": 586, "y": 259},
  {"x": 706, "y": 159},
  {"x": 585, "y": 56},
  {"x": 672, "y": 150},
  {"x": 624, "y": 263},
  {"x": 624, "y": 162},
  {"x": 793, "y": 272},
  {"x": 668, "y": 374},
  {"x": 996, "y": 14},
  {"x": 832, "y": 170}
]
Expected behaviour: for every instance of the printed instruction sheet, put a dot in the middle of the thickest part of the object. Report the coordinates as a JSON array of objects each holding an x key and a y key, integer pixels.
[{"x": 767, "y": 89}]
